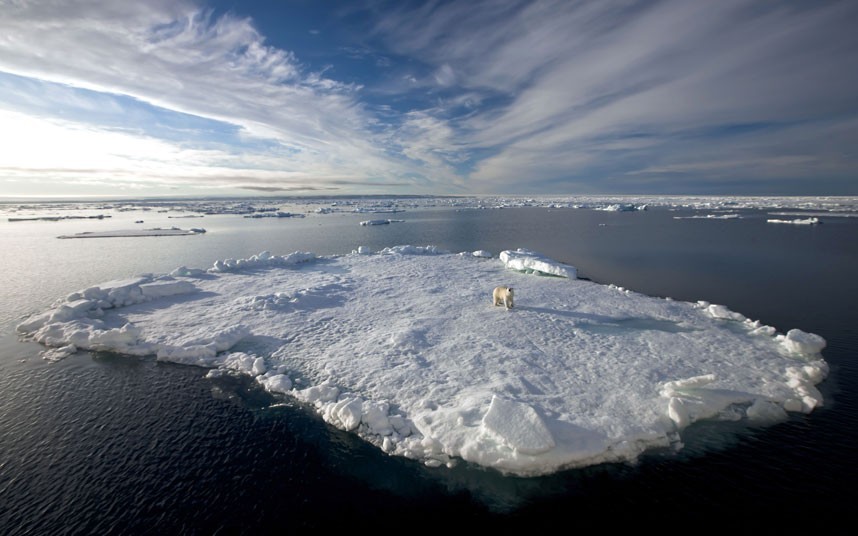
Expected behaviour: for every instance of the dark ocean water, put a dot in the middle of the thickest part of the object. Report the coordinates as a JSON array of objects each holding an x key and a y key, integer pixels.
[{"x": 109, "y": 444}]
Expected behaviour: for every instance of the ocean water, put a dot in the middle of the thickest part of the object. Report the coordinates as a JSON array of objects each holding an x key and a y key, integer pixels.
[{"x": 106, "y": 444}]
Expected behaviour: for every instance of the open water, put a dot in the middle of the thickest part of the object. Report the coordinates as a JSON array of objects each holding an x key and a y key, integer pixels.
[{"x": 108, "y": 444}]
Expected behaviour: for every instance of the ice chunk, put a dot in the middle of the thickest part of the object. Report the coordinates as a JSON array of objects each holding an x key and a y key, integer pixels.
[
  {"x": 183, "y": 271},
  {"x": 679, "y": 386},
  {"x": 346, "y": 413},
  {"x": 803, "y": 343},
  {"x": 677, "y": 412},
  {"x": 722, "y": 312},
  {"x": 242, "y": 362},
  {"x": 412, "y": 250},
  {"x": 524, "y": 260},
  {"x": 319, "y": 394},
  {"x": 275, "y": 383},
  {"x": 261, "y": 260},
  {"x": 375, "y": 417},
  {"x": 802, "y": 380},
  {"x": 161, "y": 289},
  {"x": 202, "y": 349},
  {"x": 56, "y": 354},
  {"x": 766, "y": 412},
  {"x": 518, "y": 425}
]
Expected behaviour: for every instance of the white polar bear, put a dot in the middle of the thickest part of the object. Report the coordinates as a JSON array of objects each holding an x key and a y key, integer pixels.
[{"x": 503, "y": 296}]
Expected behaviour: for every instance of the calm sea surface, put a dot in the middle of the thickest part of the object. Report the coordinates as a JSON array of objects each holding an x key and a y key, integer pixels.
[{"x": 108, "y": 444}]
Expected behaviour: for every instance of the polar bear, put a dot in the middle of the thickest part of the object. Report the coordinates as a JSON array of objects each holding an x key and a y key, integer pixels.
[{"x": 503, "y": 296}]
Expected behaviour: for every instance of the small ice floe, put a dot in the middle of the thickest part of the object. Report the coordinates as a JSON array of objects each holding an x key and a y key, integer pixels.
[
  {"x": 805, "y": 221},
  {"x": 379, "y": 222},
  {"x": 621, "y": 207},
  {"x": 124, "y": 233},
  {"x": 709, "y": 217}
]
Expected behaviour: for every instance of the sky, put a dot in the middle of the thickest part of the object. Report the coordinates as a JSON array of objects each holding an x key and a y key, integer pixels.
[
  {"x": 573, "y": 374},
  {"x": 194, "y": 97}
]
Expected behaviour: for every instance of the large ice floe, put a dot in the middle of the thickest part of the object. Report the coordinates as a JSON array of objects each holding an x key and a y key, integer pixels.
[{"x": 404, "y": 348}]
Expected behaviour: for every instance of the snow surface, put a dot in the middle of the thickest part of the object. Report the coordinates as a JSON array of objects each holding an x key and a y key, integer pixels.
[{"x": 404, "y": 348}]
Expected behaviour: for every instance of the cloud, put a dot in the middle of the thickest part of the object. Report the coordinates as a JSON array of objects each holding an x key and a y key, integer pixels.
[
  {"x": 181, "y": 58},
  {"x": 571, "y": 80},
  {"x": 445, "y": 76},
  {"x": 60, "y": 154},
  {"x": 483, "y": 96}
]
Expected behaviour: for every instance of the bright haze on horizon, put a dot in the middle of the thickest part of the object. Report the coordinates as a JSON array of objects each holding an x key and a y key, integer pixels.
[{"x": 164, "y": 97}]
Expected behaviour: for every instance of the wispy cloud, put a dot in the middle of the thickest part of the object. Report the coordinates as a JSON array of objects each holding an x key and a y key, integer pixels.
[
  {"x": 181, "y": 58},
  {"x": 582, "y": 77}
]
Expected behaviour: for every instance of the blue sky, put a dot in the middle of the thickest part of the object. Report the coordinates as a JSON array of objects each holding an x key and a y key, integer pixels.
[{"x": 166, "y": 97}]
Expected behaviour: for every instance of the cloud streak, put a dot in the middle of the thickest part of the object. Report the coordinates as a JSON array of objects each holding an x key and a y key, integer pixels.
[{"x": 582, "y": 78}]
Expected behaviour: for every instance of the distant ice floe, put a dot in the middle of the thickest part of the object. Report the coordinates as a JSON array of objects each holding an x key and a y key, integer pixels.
[
  {"x": 829, "y": 214},
  {"x": 278, "y": 214},
  {"x": 621, "y": 207},
  {"x": 709, "y": 217},
  {"x": 174, "y": 231},
  {"x": 826, "y": 206},
  {"x": 58, "y": 218},
  {"x": 263, "y": 260},
  {"x": 379, "y": 222},
  {"x": 403, "y": 348},
  {"x": 805, "y": 221}
]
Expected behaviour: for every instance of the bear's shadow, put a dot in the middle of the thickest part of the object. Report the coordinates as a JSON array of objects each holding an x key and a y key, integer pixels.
[{"x": 596, "y": 322}]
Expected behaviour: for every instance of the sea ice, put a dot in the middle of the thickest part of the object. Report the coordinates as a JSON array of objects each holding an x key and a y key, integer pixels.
[
  {"x": 379, "y": 222},
  {"x": 799, "y": 221},
  {"x": 403, "y": 348},
  {"x": 125, "y": 233}
]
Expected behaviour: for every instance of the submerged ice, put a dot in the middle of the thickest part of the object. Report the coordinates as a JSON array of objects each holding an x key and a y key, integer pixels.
[{"x": 404, "y": 348}]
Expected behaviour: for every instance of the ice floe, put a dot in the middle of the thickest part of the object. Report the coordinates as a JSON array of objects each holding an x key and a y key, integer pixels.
[
  {"x": 173, "y": 231},
  {"x": 798, "y": 221},
  {"x": 402, "y": 347},
  {"x": 379, "y": 222}
]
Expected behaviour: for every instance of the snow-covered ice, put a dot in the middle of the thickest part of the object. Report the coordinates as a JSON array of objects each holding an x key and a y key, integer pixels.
[
  {"x": 379, "y": 222},
  {"x": 709, "y": 217},
  {"x": 124, "y": 233},
  {"x": 798, "y": 221},
  {"x": 403, "y": 348}
]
